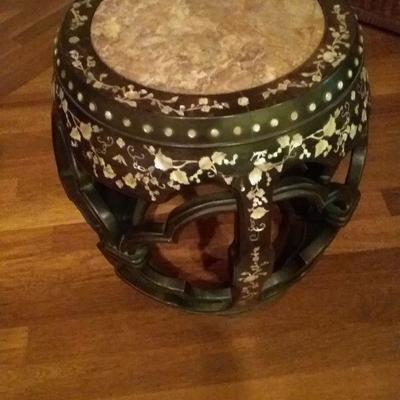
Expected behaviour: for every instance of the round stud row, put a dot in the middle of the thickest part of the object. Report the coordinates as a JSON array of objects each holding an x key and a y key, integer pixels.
[{"x": 214, "y": 132}]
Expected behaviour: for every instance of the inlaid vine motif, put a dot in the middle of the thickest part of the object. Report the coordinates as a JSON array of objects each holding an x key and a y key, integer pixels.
[
  {"x": 154, "y": 170},
  {"x": 251, "y": 278},
  {"x": 79, "y": 19},
  {"x": 131, "y": 96},
  {"x": 97, "y": 146},
  {"x": 332, "y": 137},
  {"x": 331, "y": 55}
]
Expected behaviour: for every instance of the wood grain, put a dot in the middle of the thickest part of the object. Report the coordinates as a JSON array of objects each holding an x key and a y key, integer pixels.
[
  {"x": 382, "y": 13},
  {"x": 70, "y": 330}
]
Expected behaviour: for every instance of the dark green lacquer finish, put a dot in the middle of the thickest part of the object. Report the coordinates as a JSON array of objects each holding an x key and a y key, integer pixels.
[{"x": 279, "y": 144}]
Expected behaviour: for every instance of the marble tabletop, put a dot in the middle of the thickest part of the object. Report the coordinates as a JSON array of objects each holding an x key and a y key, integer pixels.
[{"x": 207, "y": 46}]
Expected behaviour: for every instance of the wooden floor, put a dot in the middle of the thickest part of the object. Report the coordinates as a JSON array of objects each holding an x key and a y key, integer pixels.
[{"x": 70, "y": 330}]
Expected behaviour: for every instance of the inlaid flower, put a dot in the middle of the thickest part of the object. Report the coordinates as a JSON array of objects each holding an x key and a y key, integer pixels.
[
  {"x": 284, "y": 141},
  {"x": 255, "y": 176},
  {"x": 283, "y": 85},
  {"x": 130, "y": 181},
  {"x": 206, "y": 164},
  {"x": 87, "y": 3},
  {"x": 243, "y": 101},
  {"x": 330, "y": 56},
  {"x": 257, "y": 193},
  {"x": 297, "y": 140},
  {"x": 316, "y": 78},
  {"x": 259, "y": 213},
  {"x": 91, "y": 63},
  {"x": 132, "y": 94}
]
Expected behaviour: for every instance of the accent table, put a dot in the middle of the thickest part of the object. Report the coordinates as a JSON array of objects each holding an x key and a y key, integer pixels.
[{"x": 263, "y": 98}]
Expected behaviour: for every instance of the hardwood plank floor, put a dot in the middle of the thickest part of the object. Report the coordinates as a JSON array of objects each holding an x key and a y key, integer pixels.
[{"x": 70, "y": 330}]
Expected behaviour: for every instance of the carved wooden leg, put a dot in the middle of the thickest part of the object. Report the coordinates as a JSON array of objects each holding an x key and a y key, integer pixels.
[{"x": 253, "y": 261}]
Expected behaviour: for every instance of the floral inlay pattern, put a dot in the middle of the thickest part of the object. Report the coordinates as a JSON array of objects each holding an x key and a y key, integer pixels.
[
  {"x": 153, "y": 170},
  {"x": 98, "y": 145},
  {"x": 79, "y": 19},
  {"x": 331, "y": 55},
  {"x": 131, "y": 94},
  {"x": 251, "y": 278}
]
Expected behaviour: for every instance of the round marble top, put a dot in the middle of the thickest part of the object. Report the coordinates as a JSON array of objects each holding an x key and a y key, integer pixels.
[{"x": 208, "y": 46}]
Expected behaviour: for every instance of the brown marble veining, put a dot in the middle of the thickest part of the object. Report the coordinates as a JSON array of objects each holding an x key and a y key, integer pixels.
[{"x": 206, "y": 46}]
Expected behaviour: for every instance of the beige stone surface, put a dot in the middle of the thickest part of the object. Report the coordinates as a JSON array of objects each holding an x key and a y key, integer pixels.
[{"x": 206, "y": 46}]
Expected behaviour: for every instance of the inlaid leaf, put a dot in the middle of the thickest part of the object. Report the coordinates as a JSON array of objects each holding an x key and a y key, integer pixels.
[
  {"x": 75, "y": 134},
  {"x": 259, "y": 213},
  {"x": 284, "y": 141},
  {"x": 180, "y": 177},
  {"x": 353, "y": 131},
  {"x": 218, "y": 158},
  {"x": 163, "y": 162},
  {"x": 109, "y": 172},
  {"x": 206, "y": 164},
  {"x": 255, "y": 176},
  {"x": 330, "y": 127},
  {"x": 321, "y": 147}
]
